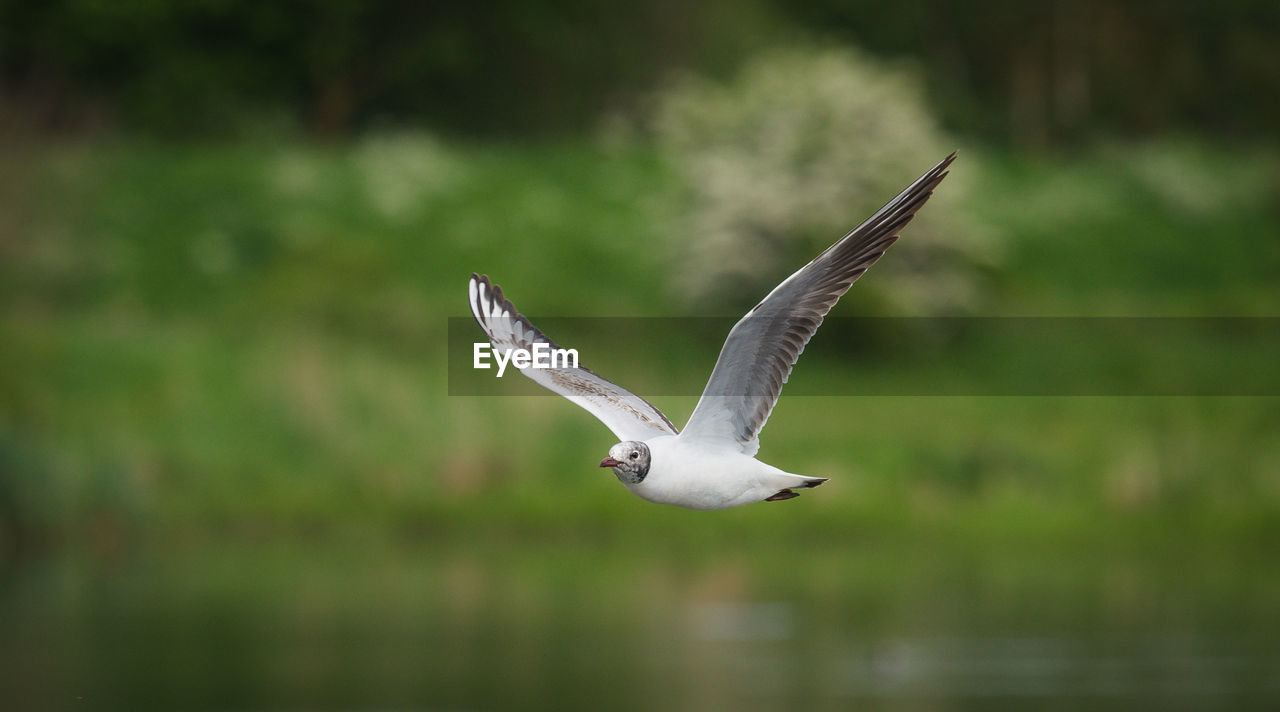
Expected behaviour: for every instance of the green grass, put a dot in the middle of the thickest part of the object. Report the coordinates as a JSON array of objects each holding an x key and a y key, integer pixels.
[{"x": 203, "y": 338}]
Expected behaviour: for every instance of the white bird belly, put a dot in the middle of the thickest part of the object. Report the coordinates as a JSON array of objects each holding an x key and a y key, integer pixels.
[{"x": 695, "y": 478}]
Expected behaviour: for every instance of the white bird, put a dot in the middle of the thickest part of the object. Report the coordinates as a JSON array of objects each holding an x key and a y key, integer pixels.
[{"x": 712, "y": 464}]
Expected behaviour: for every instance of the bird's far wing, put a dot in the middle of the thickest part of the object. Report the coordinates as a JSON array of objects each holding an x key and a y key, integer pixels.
[
  {"x": 757, "y": 357},
  {"x": 629, "y": 416}
]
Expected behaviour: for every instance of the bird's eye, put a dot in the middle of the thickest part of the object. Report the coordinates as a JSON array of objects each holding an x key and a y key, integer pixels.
[{"x": 634, "y": 455}]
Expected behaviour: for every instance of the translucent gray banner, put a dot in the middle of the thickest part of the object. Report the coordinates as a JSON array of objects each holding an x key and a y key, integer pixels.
[{"x": 949, "y": 356}]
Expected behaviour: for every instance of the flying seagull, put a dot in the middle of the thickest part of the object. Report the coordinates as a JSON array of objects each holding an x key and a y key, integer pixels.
[{"x": 712, "y": 464}]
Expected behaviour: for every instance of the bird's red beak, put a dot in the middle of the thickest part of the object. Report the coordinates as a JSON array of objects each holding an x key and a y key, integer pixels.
[{"x": 609, "y": 462}]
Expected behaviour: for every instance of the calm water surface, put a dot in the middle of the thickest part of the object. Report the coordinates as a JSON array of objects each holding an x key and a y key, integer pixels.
[{"x": 350, "y": 623}]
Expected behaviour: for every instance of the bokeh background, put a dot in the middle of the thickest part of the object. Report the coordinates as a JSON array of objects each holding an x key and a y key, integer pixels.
[{"x": 232, "y": 235}]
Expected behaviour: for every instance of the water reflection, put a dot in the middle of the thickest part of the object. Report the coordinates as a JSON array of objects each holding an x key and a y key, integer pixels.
[{"x": 359, "y": 624}]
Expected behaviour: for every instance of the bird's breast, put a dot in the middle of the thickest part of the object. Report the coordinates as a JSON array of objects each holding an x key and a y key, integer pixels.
[{"x": 697, "y": 479}]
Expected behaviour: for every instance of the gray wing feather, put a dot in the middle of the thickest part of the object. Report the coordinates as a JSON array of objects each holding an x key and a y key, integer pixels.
[
  {"x": 756, "y": 359},
  {"x": 629, "y": 416}
]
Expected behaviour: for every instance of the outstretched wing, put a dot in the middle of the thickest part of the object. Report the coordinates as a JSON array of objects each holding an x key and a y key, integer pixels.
[
  {"x": 763, "y": 346},
  {"x": 629, "y": 416}
]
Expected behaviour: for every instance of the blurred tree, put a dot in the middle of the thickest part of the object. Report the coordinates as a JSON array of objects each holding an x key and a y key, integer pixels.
[
  {"x": 1032, "y": 73},
  {"x": 334, "y": 64},
  {"x": 1036, "y": 73},
  {"x": 793, "y": 152}
]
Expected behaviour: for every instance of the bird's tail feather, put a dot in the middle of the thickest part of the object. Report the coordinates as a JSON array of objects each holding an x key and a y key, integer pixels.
[{"x": 806, "y": 481}]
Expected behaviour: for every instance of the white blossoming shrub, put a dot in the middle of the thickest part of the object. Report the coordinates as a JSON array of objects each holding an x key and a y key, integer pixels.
[{"x": 795, "y": 151}]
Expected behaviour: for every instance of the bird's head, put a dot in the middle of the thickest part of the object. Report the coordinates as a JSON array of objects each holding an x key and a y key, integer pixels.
[{"x": 629, "y": 460}]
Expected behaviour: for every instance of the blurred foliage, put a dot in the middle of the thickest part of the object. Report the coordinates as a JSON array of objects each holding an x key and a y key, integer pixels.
[
  {"x": 253, "y": 335},
  {"x": 789, "y": 156},
  {"x": 1030, "y": 73},
  {"x": 231, "y": 66},
  {"x": 1062, "y": 71}
]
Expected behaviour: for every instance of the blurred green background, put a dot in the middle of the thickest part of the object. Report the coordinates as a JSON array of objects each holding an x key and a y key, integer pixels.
[{"x": 232, "y": 234}]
